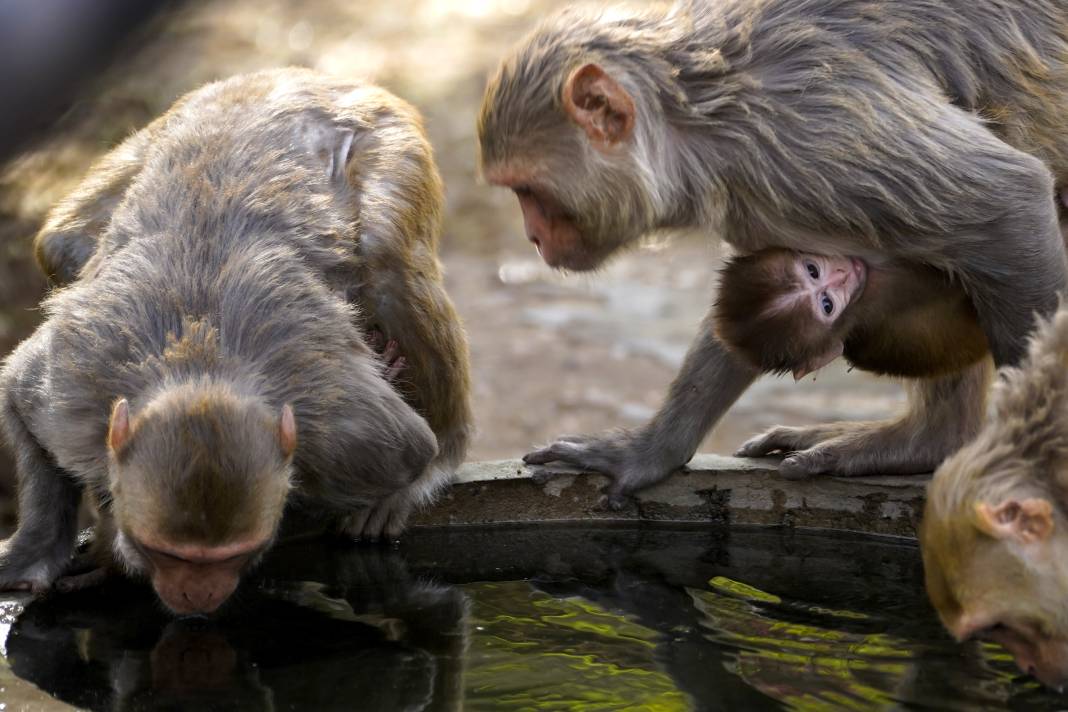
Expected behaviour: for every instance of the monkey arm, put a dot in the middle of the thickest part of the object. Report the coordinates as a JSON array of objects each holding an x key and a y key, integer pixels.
[
  {"x": 943, "y": 414},
  {"x": 401, "y": 291},
  {"x": 709, "y": 382},
  {"x": 48, "y": 498},
  {"x": 72, "y": 229}
]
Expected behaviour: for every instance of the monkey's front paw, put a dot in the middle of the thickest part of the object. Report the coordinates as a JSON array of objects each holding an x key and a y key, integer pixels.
[
  {"x": 383, "y": 521},
  {"x": 624, "y": 457},
  {"x": 29, "y": 568}
]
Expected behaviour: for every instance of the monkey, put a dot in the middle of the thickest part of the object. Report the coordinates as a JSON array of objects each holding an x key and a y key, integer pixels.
[
  {"x": 995, "y": 525},
  {"x": 230, "y": 271},
  {"x": 786, "y": 311},
  {"x": 931, "y": 133}
]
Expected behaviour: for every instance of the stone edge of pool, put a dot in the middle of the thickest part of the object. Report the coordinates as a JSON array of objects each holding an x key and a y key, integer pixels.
[{"x": 717, "y": 489}]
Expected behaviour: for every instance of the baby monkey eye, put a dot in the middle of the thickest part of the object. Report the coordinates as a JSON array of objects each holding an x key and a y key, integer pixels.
[
  {"x": 827, "y": 305},
  {"x": 813, "y": 270}
]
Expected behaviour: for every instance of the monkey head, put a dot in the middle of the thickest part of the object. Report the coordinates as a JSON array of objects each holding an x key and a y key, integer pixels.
[
  {"x": 995, "y": 564},
  {"x": 786, "y": 311},
  {"x": 994, "y": 534},
  {"x": 198, "y": 481},
  {"x": 564, "y": 124}
]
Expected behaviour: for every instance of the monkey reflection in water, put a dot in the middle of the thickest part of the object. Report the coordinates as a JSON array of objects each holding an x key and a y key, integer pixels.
[
  {"x": 207, "y": 362},
  {"x": 373, "y": 639}
]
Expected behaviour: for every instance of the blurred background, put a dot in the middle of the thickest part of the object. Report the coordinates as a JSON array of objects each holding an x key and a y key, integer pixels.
[{"x": 551, "y": 353}]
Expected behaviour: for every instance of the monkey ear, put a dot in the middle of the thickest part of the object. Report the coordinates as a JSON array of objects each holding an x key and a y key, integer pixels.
[
  {"x": 817, "y": 362},
  {"x": 287, "y": 431},
  {"x": 119, "y": 426},
  {"x": 600, "y": 105},
  {"x": 1027, "y": 521}
]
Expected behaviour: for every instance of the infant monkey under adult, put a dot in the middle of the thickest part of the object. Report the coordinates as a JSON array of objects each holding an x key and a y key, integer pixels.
[
  {"x": 786, "y": 311},
  {"x": 930, "y": 132},
  {"x": 208, "y": 363}
]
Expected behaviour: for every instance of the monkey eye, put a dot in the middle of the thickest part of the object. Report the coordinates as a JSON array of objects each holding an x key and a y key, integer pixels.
[
  {"x": 826, "y": 304},
  {"x": 813, "y": 270}
]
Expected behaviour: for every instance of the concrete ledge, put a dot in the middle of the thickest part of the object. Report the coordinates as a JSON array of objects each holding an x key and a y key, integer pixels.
[{"x": 723, "y": 490}]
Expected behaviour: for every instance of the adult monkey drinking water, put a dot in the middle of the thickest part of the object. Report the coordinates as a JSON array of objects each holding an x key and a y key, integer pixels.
[{"x": 926, "y": 132}]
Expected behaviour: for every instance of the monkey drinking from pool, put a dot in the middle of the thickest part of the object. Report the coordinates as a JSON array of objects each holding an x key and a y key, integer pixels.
[
  {"x": 208, "y": 362},
  {"x": 785, "y": 311},
  {"x": 932, "y": 133},
  {"x": 994, "y": 533}
]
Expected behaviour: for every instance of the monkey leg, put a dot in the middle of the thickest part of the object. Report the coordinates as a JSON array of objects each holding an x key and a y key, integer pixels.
[
  {"x": 944, "y": 413},
  {"x": 72, "y": 230},
  {"x": 710, "y": 380},
  {"x": 48, "y": 500}
]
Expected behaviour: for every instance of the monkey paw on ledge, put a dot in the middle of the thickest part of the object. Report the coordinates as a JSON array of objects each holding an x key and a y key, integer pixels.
[{"x": 716, "y": 489}]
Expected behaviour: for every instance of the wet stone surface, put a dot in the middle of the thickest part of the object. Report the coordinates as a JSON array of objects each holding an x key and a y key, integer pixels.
[{"x": 600, "y": 617}]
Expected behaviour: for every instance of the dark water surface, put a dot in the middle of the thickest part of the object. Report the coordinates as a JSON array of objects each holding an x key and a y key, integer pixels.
[{"x": 567, "y": 618}]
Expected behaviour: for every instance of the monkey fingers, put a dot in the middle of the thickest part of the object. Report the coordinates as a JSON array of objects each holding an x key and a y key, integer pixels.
[
  {"x": 615, "y": 455},
  {"x": 78, "y": 582},
  {"x": 383, "y": 521},
  {"x": 389, "y": 353}
]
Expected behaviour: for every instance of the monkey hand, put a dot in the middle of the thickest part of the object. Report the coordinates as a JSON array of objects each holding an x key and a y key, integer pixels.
[
  {"x": 628, "y": 457},
  {"x": 845, "y": 449},
  {"x": 27, "y": 564}
]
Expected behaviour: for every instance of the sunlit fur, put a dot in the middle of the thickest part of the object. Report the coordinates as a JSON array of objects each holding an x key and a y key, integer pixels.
[
  {"x": 223, "y": 262},
  {"x": 1021, "y": 452}
]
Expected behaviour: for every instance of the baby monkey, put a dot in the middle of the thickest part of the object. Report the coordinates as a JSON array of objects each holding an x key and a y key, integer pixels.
[{"x": 788, "y": 311}]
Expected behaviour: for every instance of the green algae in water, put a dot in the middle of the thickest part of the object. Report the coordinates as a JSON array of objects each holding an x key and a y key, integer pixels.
[
  {"x": 575, "y": 618},
  {"x": 532, "y": 651}
]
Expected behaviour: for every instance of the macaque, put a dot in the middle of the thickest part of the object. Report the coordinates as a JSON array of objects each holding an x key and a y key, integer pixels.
[
  {"x": 785, "y": 311},
  {"x": 232, "y": 269},
  {"x": 994, "y": 534},
  {"x": 930, "y": 133}
]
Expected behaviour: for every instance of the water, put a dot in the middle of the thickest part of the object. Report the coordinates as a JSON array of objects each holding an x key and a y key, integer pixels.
[{"x": 564, "y": 618}]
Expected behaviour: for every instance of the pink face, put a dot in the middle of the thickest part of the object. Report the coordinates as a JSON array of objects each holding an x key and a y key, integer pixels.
[{"x": 828, "y": 284}]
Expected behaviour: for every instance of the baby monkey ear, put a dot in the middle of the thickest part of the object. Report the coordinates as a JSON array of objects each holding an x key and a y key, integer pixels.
[
  {"x": 1026, "y": 521},
  {"x": 600, "y": 105},
  {"x": 818, "y": 361}
]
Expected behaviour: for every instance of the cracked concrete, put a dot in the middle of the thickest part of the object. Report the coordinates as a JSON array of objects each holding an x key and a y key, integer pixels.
[{"x": 717, "y": 489}]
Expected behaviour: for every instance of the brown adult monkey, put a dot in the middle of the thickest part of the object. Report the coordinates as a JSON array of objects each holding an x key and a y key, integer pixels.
[
  {"x": 906, "y": 129},
  {"x": 794, "y": 312},
  {"x": 994, "y": 534},
  {"x": 209, "y": 364}
]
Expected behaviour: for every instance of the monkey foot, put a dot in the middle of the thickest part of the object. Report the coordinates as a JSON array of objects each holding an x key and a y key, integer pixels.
[
  {"x": 78, "y": 582},
  {"x": 381, "y": 522},
  {"x": 850, "y": 449},
  {"x": 389, "y": 353}
]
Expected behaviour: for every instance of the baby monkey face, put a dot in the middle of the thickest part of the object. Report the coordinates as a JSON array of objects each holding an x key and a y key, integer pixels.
[{"x": 826, "y": 284}]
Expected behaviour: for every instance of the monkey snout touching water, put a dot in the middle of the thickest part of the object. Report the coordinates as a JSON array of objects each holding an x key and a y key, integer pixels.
[
  {"x": 211, "y": 357},
  {"x": 994, "y": 534}
]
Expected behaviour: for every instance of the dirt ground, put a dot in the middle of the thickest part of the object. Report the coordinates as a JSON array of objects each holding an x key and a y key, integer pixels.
[{"x": 551, "y": 353}]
